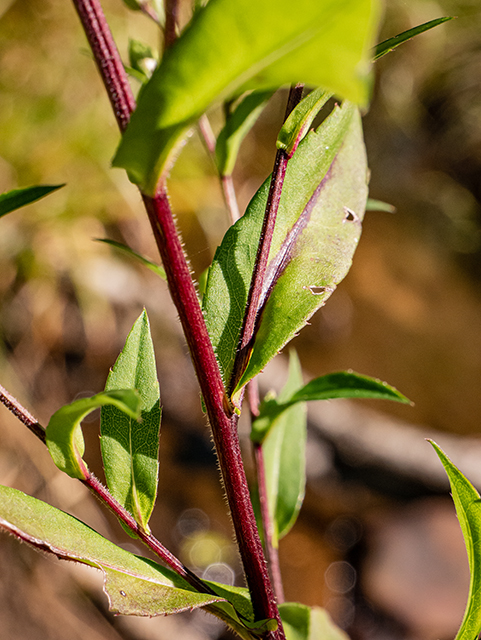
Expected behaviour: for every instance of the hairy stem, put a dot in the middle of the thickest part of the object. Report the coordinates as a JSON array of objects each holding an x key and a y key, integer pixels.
[
  {"x": 106, "y": 497},
  {"x": 224, "y": 426},
  {"x": 260, "y": 265}
]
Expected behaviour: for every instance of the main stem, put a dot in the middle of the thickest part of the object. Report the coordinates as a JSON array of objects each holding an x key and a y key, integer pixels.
[{"x": 182, "y": 289}]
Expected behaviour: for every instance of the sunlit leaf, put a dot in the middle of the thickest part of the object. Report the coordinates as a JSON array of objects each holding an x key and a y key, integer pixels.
[
  {"x": 284, "y": 452},
  {"x": 157, "y": 269},
  {"x": 134, "y": 585},
  {"x": 343, "y": 384},
  {"x": 308, "y": 623},
  {"x": 130, "y": 448},
  {"x": 317, "y": 229},
  {"x": 300, "y": 120},
  {"x": 232, "y": 47},
  {"x": 391, "y": 43},
  {"x": 237, "y": 126},
  {"x": 468, "y": 508},
  {"x": 12, "y": 200},
  {"x": 64, "y": 434}
]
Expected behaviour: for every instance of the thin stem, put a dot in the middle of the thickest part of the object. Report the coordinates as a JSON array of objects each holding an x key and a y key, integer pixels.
[
  {"x": 207, "y": 133},
  {"x": 272, "y": 553},
  {"x": 171, "y": 20},
  {"x": 260, "y": 266},
  {"x": 230, "y": 198},
  {"x": 106, "y": 497}
]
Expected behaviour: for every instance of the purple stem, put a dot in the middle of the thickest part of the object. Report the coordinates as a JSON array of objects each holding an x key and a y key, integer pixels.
[
  {"x": 101, "y": 492},
  {"x": 108, "y": 59},
  {"x": 260, "y": 266},
  {"x": 182, "y": 289},
  {"x": 171, "y": 19}
]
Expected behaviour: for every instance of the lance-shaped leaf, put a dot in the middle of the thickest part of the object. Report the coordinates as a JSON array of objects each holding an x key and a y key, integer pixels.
[
  {"x": 308, "y": 623},
  {"x": 391, "y": 43},
  {"x": 284, "y": 452},
  {"x": 317, "y": 229},
  {"x": 232, "y": 47},
  {"x": 130, "y": 448},
  {"x": 300, "y": 120},
  {"x": 343, "y": 384},
  {"x": 157, "y": 269},
  {"x": 468, "y": 508},
  {"x": 237, "y": 126},
  {"x": 64, "y": 437},
  {"x": 134, "y": 585},
  {"x": 12, "y": 200}
]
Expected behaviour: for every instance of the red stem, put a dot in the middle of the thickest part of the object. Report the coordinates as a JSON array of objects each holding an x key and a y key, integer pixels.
[
  {"x": 224, "y": 426},
  {"x": 108, "y": 59},
  {"x": 260, "y": 266}
]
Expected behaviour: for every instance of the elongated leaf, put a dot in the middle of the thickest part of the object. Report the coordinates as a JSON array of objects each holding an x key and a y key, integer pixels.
[
  {"x": 317, "y": 229},
  {"x": 231, "y": 47},
  {"x": 378, "y": 205},
  {"x": 237, "y": 126},
  {"x": 468, "y": 508},
  {"x": 300, "y": 120},
  {"x": 130, "y": 449},
  {"x": 344, "y": 384},
  {"x": 134, "y": 585},
  {"x": 12, "y": 200},
  {"x": 284, "y": 451},
  {"x": 64, "y": 434},
  {"x": 157, "y": 269},
  {"x": 391, "y": 43},
  {"x": 308, "y": 623}
]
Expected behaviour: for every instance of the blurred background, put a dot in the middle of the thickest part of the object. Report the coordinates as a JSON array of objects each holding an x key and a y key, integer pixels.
[{"x": 377, "y": 542}]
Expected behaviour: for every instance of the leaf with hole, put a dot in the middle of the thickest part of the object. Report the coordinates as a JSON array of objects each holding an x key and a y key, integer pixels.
[
  {"x": 232, "y": 47},
  {"x": 468, "y": 508},
  {"x": 64, "y": 437},
  {"x": 317, "y": 230},
  {"x": 130, "y": 448}
]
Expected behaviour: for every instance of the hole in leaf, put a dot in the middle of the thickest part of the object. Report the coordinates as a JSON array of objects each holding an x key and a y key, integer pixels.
[
  {"x": 317, "y": 291},
  {"x": 122, "y": 593},
  {"x": 350, "y": 215}
]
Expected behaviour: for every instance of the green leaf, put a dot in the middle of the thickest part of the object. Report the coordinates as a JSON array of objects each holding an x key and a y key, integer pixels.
[
  {"x": 308, "y": 623},
  {"x": 64, "y": 434},
  {"x": 378, "y": 205},
  {"x": 284, "y": 452},
  {"x": 468, "y": 508},
  {"x": 157, "y": 269},
  {"x": 232, "y": 47},
  {"x": 130, "y": 448},
  {"x": 237, "y": 126},
  {"x": 12, "y": 200},
  {"x": 391, "y": 43},
  {"x": 300, "y": 120},
  {"x": 142, "y": 58},
  {"x": 317, "y": 229},
  {"x": 134, "y": 585},
  {"x": 343, "y": 384}
]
